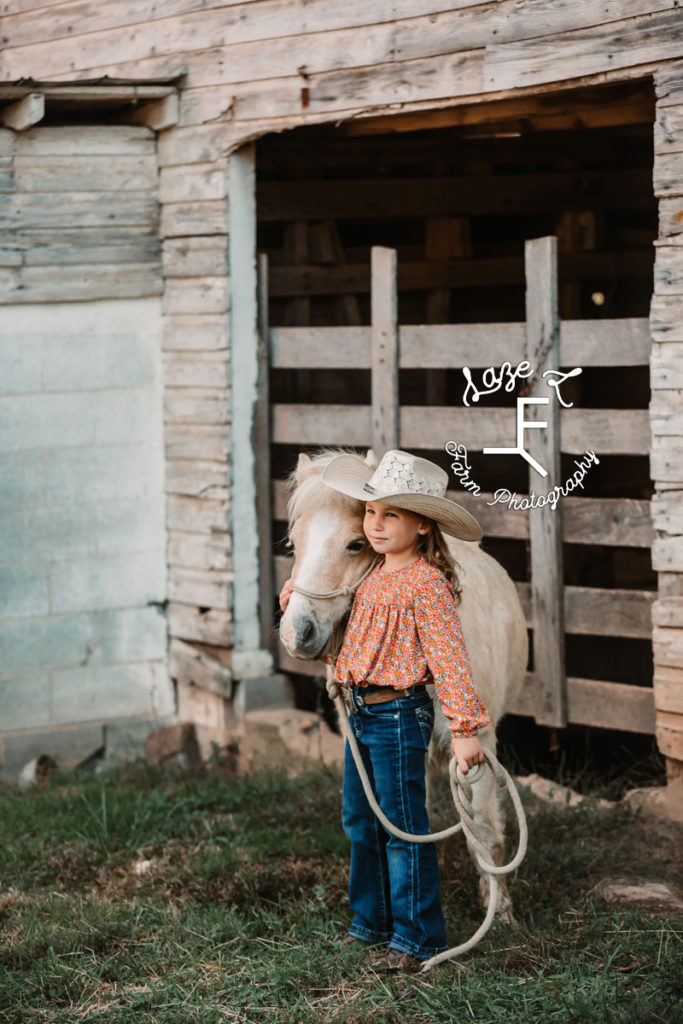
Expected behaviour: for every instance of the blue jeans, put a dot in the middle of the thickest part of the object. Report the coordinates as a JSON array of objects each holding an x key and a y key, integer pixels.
[{"x": 393, "y": 885}]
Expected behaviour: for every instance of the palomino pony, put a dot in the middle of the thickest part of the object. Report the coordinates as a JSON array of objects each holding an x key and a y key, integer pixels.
[{"x": 332, "y": 555}]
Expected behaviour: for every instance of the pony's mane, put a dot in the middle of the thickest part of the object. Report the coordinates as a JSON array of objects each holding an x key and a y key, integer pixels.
[{"x": 310, "y": 493}]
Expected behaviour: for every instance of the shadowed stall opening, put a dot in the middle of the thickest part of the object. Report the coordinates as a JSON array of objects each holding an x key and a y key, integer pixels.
[{"x": 457, "y": 193}]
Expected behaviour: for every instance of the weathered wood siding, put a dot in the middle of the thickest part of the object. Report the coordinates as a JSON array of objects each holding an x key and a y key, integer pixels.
[
  {"x": 83, "y": 578},
  {"x": 267, "y": 65},
  {"x": 666, "y": 414}
]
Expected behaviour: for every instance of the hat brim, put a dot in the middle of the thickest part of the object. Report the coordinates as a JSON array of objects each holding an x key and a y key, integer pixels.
[{"x": 346, "y": 473}]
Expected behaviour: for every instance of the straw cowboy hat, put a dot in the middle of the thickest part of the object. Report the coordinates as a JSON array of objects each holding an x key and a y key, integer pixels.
[{"x": 406, "y": 481}]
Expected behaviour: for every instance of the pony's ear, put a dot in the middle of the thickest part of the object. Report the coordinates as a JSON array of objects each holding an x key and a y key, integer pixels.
[
  {"x": 304, "y": 468},
  {"x": 371, "y": 459}
]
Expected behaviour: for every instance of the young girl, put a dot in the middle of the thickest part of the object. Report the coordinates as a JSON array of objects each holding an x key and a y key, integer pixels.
[{"x": 403, "y": 633}]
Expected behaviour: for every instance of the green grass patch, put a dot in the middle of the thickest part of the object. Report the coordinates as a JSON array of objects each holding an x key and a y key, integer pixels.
[{"x": 144, "y": 897}]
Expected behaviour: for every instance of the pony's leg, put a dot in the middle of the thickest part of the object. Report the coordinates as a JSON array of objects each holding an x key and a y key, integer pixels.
[{"x": 489, "y": 829}]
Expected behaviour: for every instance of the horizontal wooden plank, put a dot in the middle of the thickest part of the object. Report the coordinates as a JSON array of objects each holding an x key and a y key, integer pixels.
[
  {"x": 666, "y": 467},
  {"x": 185, "y": 295},
  {"x": 199, "y": 550},
  {"x": 194, "y": 476},
  {"x": 86, "y": 140},
  {"x": 666, "y": 322},
  {"x": 205, "y": 625},
  {"x": 86, "y": 251},
  {"x": 426, "y": 275},
  {"x": 668, "y": 611},
  {"x": 668, "y": 689},
  {"x": 197, "y": 332},
  {"x": 452, "y": 197},
  {"x": 589, "y": 611},
  {"x": 554, "y": 58},
  {"x": 196, "y": 370},
  {"x": 668, "y": 128},
  {"x": 669, "y": 733},
  {"x": 621, "y": 522},
  {"x": 73, "y": 283},
  {"x": 196, "y": 515},
  {"x": 669, "y": 270},
  {"x": 195, "y": 257},
  {"x": 667, "y": 511},
  {"x": 605, "y": 705},
  {"x": 595, "y": 611},
  {"x": 196, "y": 405},
  {"x": 321, "y": 424},
  {"x": 605, "y": 431},
  {"x": 439, "y": 346},
  {"x": 667, "y": 646},
  {"x": 40, "y": 211},
  {"x": 189, "y": 441},
  {"x": 195, "y": 666},
  {"x": 194, "y": 183},
  {"x": 111, "y": 173},
  {"x": 667, "y": 552},
  {"x": 209, "y": 588},
  {"x": 201, "y": 217},
  {"x": 671, "y": 218},
  {"x": 192, "y": 24},
  {"x": 608, "y": 432},
  {"x": 666, "y": 177}
]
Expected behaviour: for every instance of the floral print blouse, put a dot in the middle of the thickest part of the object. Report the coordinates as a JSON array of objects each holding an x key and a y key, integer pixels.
[{"x": 404, "y": 629}]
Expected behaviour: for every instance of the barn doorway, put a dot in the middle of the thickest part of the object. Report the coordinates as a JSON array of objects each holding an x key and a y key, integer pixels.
[{"x": 457, "y": 193}]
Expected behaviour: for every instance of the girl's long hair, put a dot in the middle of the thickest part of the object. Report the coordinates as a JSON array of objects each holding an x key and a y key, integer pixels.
[{"x": 433, "y": 548}]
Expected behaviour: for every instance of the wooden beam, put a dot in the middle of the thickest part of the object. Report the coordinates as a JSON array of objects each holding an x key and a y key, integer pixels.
[
  {"x": 385, "y": 353},
  {"x": 545, "y": 524},
  {"x": 605, "y": 705},
  {"x": 26, "y": 112},
  {"x": 261, "y": 441},
  {"x": 427, "y": 275},
  {"x": 460, "y": 196},
  {"x": 613, "y": 522},
  {"x": 159, "y": 114},
  {"x": 624, "y": 342},
  {"x": 244, "y": 388}
]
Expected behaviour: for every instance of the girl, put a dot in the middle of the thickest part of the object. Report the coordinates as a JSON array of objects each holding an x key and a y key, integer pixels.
[{"x": 403, "y": 633}]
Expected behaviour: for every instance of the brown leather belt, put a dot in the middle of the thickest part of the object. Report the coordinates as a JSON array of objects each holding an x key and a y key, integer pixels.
[{"x": 383, "y": 694}]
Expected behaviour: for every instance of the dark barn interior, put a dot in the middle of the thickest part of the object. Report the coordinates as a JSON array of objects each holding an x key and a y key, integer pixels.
[{"x": 457, "y": 193}]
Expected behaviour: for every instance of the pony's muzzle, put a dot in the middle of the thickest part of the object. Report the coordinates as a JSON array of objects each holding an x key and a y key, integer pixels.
[{"x": 310, "y": 638}]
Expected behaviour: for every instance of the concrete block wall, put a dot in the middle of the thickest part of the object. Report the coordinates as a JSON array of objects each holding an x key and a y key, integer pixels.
[{"x": 83, "y": 578}]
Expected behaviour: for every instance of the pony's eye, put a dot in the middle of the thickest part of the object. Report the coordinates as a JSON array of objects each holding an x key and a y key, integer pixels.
[{"x": 355, "y": 546}]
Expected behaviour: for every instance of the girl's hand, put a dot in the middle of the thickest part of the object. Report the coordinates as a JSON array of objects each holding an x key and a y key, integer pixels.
[
  {"x": 286, "y": 593},
  {"x": 467, "y": 751}
]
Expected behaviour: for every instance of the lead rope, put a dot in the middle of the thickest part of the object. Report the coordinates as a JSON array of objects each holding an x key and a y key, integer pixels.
[{"x": 461, "y": 789}]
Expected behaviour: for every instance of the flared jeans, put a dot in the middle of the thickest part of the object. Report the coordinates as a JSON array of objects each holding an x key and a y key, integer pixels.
[{"x": 393, "y": 884}]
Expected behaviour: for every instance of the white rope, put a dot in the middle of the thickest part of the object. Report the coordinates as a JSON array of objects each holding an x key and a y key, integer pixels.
[
  {"x": 461, "y": 789},
  {"x": 334, "y": 593}
]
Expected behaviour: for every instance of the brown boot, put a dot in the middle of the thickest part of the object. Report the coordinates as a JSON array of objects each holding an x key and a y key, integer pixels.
[{"x": 394, "y": 961}]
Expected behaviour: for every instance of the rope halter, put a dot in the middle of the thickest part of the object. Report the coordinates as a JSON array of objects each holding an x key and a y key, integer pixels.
[{"x": 345, "y": 591}]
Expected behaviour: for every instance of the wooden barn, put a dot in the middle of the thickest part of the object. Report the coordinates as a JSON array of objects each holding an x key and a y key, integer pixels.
[{"x": 231, "y": 230}]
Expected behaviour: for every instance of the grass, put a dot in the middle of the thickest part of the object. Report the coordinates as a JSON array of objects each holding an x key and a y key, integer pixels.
[{"x": 206, "y": 898}]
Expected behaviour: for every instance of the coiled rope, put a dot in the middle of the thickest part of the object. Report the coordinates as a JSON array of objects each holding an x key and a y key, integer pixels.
[{"x": 461, "y": 789}]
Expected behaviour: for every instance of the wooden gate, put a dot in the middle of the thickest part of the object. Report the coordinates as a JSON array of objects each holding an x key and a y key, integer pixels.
[{"x": 552, "y": 609}]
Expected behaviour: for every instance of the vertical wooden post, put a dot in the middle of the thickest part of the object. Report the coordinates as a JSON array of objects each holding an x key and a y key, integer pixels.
[
  {"x": 385, "y": 408},
  {"x": 262, "y": 449},
  {"x": 250, "y": 659},
  {"x": 543, "y": 444}
]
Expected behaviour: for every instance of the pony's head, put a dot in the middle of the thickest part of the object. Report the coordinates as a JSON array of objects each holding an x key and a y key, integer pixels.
[{"x": 330, "y": 552}]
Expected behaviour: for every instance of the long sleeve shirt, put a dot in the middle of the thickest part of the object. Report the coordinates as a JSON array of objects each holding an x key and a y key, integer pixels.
[{"x": 404, "y": 630}]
